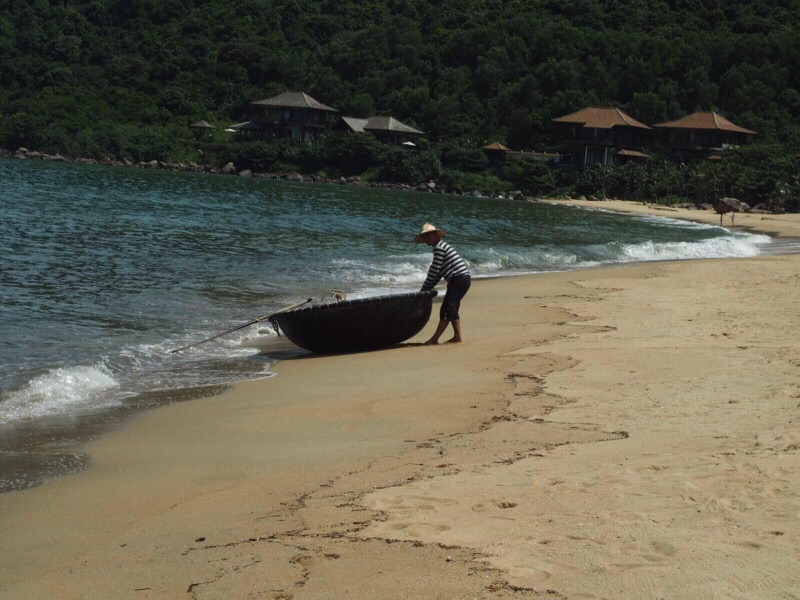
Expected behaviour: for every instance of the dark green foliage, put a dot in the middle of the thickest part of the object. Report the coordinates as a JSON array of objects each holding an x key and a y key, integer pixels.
[
  {"x": 466, "y": 182},
  {"x": 456, "y": 157},
  {"x": 531, "y": 176},
  {"x": 410, "y": 166},
  {"x": 758, "y": 174},
  {"x": 125, "y": 78},
  {"x": 350, "y": 154}
]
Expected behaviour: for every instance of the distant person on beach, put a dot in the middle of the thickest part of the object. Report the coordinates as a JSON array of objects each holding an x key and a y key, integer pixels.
[{"x": 449, "y": 265}]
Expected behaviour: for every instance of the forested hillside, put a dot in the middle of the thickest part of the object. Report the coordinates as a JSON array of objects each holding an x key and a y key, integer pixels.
[{"x": 125, "y": 77}]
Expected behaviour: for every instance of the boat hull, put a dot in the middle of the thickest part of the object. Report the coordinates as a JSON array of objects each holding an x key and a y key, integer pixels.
[{"x": 357, "y": 325}]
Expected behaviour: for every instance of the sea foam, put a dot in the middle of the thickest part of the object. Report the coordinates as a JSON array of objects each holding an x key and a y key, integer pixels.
[
  {"x": 736, "y": 246},
  {"x": 58, "y": 391}
]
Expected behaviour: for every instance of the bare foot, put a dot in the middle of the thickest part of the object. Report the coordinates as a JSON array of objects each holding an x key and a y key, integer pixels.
[
  {"x": 453, "y": 340},
  {"x": 431, "y": 342}
]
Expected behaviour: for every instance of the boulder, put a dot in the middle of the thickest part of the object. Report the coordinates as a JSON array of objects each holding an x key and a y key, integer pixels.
[
  {"x": 593, "y": 198},
  {"x": 245, "y": 173},
  {"x": 22, "y": 150},
  {"x": 733, "y": 203},
  {"x": 431, "y": 185},
  {"x": 294, "y": 177},
  {"x": 228, "y": 169}
]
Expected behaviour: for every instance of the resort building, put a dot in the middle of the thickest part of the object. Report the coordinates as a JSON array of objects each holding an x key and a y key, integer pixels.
[
  {"x": 387, "y": 129},
  {"x": 600, "y": 136},
  {"x": 202, "y": 129},
  {"x": 295, "y": 115},
  {"x": 248, "y": 130},
  {"x": 497, "y": 154},
  {"x": 702, "y": 135}
]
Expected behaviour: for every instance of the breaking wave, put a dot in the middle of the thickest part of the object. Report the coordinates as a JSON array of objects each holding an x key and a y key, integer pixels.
[{"x": 58, "y": 391}]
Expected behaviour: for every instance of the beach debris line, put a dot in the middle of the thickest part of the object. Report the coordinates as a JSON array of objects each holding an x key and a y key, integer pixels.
[{"x": 243, "y": 325}]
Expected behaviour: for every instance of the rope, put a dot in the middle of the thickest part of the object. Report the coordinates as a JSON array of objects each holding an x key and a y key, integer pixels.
[{"x": 337, "y": 295}]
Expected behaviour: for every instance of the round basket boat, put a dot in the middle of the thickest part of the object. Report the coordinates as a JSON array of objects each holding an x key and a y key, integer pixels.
[{"x": 356, "y": 325}]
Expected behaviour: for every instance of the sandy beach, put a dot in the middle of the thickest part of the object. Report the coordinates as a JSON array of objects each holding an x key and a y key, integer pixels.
[{"x": 613, "y": 433}]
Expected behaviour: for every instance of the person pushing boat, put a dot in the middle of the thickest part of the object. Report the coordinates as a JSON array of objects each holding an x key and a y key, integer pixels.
[{"x": 449, "y": 265}]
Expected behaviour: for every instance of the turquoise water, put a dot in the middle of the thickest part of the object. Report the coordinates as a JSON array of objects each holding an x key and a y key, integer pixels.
[{"x": 105, "y": 270}]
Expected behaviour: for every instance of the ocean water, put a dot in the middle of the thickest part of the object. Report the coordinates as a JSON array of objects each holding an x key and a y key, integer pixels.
[{"x": 104, "y": 270}]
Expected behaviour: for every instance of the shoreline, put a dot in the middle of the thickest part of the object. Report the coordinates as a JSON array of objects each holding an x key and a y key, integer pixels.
[
  {"x": 754, "y": 221},
  {"x": 595, "y": 435},
  {"x": 230, "y": 169},
  {"x": 786, "y": 225},
  {"x": 72, "y": 459}
]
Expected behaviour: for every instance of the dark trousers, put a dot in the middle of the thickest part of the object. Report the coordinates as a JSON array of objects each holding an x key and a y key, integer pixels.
[{"x": 457, "y": 288}]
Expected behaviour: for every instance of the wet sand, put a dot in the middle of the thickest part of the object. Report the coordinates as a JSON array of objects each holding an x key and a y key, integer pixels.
[{"x": 613, "y": 433}]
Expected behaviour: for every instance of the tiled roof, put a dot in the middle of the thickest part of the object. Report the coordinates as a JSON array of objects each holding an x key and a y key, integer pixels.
[
  {"x": 246, "y": 125},
  {"x": 294, "y": 100},
  {"x": 601, "y": 118},
  {"x": 634, "y": 153},
  {"x": 202, "y": 125},
  {"x": 356, "y": 125},
  {"x": 389, "y": 124},
  {"x": 496, "y": 146},
  {"x": 705, "y": 120}
]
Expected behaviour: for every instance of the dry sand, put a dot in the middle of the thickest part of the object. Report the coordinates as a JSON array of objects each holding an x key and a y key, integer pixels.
[{"x": 618, "y": 433}]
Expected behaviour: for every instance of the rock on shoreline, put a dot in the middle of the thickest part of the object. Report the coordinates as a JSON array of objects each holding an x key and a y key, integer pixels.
[{"x": 430, "y": 187}]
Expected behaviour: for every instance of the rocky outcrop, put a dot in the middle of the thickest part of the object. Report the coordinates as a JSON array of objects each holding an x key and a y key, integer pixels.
[{"x": 230, "y": 168}]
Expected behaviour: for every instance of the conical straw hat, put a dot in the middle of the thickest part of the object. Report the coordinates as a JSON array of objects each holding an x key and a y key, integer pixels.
[{"x": 429, "y": 228}]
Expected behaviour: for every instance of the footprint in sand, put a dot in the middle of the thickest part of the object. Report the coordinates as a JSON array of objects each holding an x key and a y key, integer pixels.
[
  {"x": 665, "y": 548},
  {"x": 303, "y": 560}
]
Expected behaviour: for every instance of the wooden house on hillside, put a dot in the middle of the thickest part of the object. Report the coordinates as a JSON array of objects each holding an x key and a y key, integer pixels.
[
  {"x": 702, "y": 135},
  {"x": 600, "y": 136},
  {"x": 202, "y": 129},
  {"x": 387, "y": 129},
  {"x": 497, "y": 154},
  {"x": 248, "y": 130},
  {"x": 295, "y": 115}
]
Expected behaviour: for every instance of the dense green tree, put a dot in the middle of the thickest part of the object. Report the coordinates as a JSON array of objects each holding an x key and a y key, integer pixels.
[{"x": 124, "y": 77}]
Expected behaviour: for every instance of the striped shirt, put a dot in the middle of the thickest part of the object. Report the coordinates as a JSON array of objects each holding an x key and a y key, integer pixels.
[{"x": 446, "y": 263}]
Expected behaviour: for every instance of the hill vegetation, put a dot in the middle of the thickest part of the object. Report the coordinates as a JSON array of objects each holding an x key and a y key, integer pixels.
[{"x": 124, "y": 78}]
